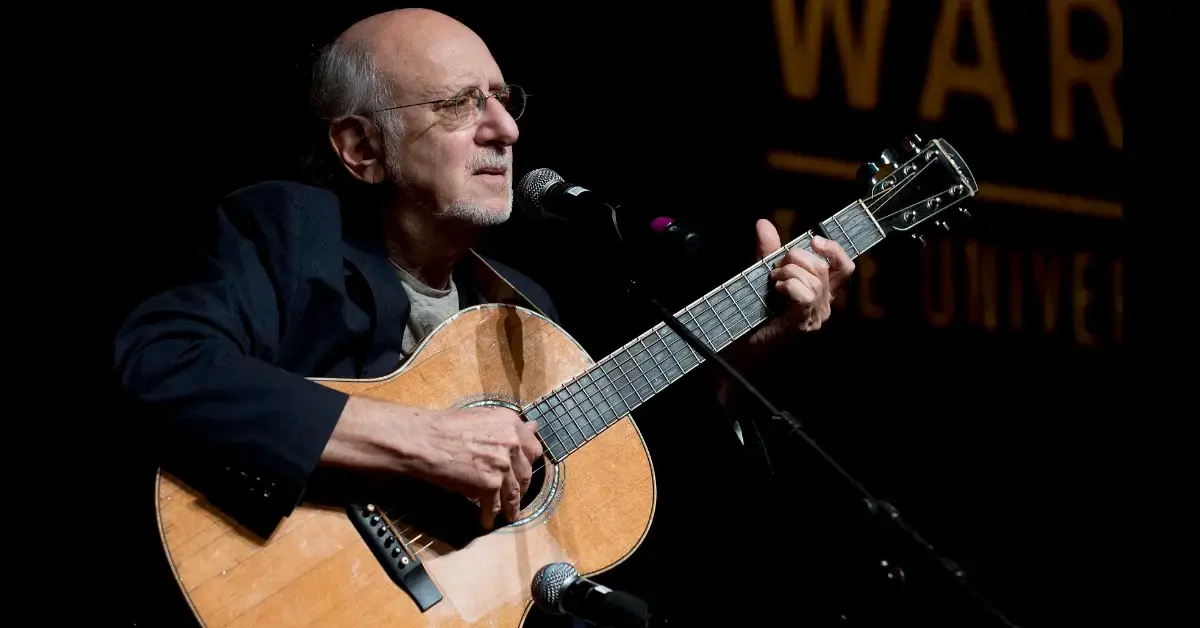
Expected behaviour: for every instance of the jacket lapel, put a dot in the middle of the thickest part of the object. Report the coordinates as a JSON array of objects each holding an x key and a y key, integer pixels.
[{"x": 385, "y": 301}]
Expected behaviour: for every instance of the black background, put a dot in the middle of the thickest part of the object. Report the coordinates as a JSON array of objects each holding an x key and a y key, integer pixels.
[{"x": 994, "y": 445}]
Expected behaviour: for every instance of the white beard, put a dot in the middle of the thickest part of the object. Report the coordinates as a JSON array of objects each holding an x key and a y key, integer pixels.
[
  {"x": 461, "y": 210},
  {"x": 474, "y": 214}
]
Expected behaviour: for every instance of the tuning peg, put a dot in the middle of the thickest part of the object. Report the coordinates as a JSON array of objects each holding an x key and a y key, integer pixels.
[
  {"x": 963, "y": 211},
  {"x": 919, "y": 239},
  {"x": 889, "y": 157},
  {"x": 913, "y": 143},
  {"x": 867, "y": 172},
  {"x": 945, "y": 225}
]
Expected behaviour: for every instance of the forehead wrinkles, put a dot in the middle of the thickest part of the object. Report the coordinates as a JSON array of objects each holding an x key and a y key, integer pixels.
[{"x": 438, "y": 69}]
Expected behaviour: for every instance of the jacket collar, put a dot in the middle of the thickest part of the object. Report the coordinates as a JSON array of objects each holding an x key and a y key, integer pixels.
[{"x": 389, "y": 306}]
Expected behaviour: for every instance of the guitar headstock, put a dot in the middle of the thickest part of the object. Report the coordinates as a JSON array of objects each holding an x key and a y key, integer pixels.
[{"x": 917, "y": 185}]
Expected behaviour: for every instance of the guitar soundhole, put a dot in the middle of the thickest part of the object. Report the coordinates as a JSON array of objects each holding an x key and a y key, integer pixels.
[{"x": 535, "y": 484}]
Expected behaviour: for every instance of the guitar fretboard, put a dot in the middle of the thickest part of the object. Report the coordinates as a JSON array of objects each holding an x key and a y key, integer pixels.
[{"x": 584, "y": 407}]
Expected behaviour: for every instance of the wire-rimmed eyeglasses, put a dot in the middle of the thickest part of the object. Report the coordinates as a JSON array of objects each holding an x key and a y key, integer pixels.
[{"x": 468, "y": 105}]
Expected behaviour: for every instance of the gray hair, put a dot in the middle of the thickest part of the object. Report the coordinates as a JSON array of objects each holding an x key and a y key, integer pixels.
[{"x": 346, "y": 80}]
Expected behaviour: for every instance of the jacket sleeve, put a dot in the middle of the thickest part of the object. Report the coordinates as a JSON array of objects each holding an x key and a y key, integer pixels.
[{"x": 198, "y": 361}]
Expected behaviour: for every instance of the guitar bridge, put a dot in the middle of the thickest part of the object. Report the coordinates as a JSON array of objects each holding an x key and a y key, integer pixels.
[{"x": 395, "y": 555}]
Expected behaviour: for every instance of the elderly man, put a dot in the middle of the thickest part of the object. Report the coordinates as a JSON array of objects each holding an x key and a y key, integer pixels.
[{"x": 302, "y": 282}]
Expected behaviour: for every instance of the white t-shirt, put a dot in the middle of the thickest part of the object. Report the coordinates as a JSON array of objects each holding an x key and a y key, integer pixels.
[{"x": 430, "y": 307}]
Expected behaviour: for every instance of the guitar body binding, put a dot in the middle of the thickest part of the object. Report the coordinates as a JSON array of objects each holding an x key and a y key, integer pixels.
[{"x": 371, "y": 564}]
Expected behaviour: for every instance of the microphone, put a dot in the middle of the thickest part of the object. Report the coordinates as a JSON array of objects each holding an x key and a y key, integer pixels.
[
  {"x": 544, "y": 194},
  {"x": 558, "y": 589}
]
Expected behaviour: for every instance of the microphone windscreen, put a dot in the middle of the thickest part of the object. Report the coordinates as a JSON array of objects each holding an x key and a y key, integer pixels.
[
  {"x": 531, "y": 188},
  {"x": 549, "y": 583}
]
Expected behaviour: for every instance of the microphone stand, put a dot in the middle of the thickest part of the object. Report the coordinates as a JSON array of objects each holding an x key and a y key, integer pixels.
[{"x": 879, "y": 510}]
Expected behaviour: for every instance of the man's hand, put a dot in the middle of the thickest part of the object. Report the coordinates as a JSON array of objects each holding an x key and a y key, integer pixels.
[
  {"x": 807, "y": 281},
  {"x": 484, "y": 453}
]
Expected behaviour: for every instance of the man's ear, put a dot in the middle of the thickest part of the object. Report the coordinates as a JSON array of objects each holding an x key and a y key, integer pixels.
[{"x": 358, "y": 143}]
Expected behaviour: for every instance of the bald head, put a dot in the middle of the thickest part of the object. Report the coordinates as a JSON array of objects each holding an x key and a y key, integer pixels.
[
  {"x": 422, "y": 52},
  {"x": 404, "y": 90}
]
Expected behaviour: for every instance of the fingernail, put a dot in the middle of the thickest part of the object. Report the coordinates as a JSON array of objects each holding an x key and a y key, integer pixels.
[{"x": 818, "y": 240}]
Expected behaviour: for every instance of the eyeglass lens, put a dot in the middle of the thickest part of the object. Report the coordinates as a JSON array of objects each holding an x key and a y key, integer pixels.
[{"x": 473, "y": 101}]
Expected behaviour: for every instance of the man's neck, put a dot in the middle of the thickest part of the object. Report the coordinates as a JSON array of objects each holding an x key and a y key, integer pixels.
[{"x": 425, "y": 247}]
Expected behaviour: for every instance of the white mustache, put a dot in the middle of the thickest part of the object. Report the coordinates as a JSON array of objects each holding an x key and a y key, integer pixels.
[{"x": 488, "y": 160}]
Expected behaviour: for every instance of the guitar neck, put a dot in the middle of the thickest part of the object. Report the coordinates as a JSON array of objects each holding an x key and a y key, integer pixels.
[{"x": 584, "y": 407}]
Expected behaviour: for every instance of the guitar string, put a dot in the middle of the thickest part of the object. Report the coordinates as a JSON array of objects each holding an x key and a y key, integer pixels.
[
  {"x": 562, "y": 422},
  {"x": 853, "y": 227},
  {"x": 858, "y": 226},
  {"x": 560, "y": 428},
  {"x": 746, "y": 294}
]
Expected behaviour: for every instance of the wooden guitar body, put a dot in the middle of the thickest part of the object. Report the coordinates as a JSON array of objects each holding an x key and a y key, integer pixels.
[{"x": 592, "y": 510}]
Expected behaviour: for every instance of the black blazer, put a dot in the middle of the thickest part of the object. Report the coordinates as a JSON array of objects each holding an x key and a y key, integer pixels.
[{"x": 290, "y": 288}]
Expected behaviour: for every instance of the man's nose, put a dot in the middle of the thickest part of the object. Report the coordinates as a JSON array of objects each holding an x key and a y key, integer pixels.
[{"x": 497, "y": 125}]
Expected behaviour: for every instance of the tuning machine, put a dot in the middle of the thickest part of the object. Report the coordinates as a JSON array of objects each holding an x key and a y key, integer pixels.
[
  {"x": 871, "y": 173},
  {"x": 913, "y": 143},
  {"x": 868, "y": 173}
]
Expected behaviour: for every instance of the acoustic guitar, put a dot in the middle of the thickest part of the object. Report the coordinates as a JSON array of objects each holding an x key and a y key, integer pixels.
[{"x": 381, "y": 564}]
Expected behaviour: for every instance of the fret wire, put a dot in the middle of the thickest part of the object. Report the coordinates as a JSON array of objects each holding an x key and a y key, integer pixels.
[
  {"x": 604, "y": 420},
  {"x": 614, "y": 414},
  {"x": 544, "y": 437},
  {"x": 627, "y": 378},
  {"x": 719, "y": 310},
  {"x": 855, "y": 224},
  {"x": 767, "y": 281},
  {"x": 700, "y": 328},
  {"x": 863, "y": 223},
  {"x": 736, "y": 306},
  {"x": 553, "y": 393},
  {"x": 654, "y": 359},
  {"x": 703, "y": 332},
  {"x": 763, "y": 301},
  {"x": 632, "y": 388},
  {"x": 554, "y": 421},
  {"x": 650, "y": 358},
  {"x": 672, "y": 335},
  {"x": 576, "y": 406},
  {"x": 750, "y": 323},
  {"x": 870, "y": 224},
  {"x": 678, "y": 340},
  {"x": 574, "y": 422},
  {"x": 564, "y": 427},
  {"x": 732, "y": 303},
  {"x": 671, "y": 352},
  {"x": 584, "y": 406},
  {"x": 850, "y": 240},
  {"x": 640, "y": 371},
  {"x": 624, "y": 400},
  {"x": 752, "y": 289},
  {"x": 591, "y": 431},
  {"x": 563, "y": 415},
  {"x": 718, "y": 317}
]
